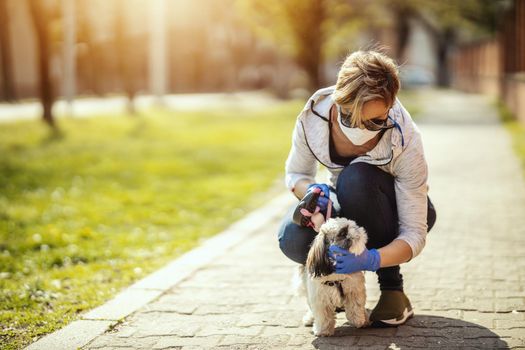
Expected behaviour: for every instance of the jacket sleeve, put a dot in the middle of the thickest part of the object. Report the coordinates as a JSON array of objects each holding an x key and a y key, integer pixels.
[
  {"x": 301, "y": 163},
  {"x": 411, "y": 175}
]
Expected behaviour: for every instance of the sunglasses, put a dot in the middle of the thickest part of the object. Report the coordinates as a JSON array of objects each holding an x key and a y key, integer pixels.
[{"x": 375, "y": 124}]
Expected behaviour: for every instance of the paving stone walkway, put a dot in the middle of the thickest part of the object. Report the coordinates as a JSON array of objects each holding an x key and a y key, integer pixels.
[{"x": 467, "y": 287}]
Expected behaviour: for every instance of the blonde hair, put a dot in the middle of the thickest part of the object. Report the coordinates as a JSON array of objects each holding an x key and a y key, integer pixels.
[{"x": 365, "y": 76}]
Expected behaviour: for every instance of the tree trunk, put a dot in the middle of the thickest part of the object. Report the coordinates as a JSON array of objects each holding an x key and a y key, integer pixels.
[
  {"x": 307, "y": 28},
  {"x": 90, "y": 61},
  {"x": 8, "y": 86},
  {"x": 402, "y": 16},
  {"x": 158, "y": 63},
  {"x": 444, "y": 43},
  {"x": 38, "y": 15},
  {"x": 69, "y": 63},
  {"x": 126, "y": 56}
]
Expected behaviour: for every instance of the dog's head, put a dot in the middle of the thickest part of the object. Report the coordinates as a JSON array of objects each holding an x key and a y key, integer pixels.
[{"x": 340, "y": 231}]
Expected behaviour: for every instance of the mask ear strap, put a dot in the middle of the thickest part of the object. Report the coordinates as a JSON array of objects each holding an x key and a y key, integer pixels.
[{"x": 398, "y": 127}]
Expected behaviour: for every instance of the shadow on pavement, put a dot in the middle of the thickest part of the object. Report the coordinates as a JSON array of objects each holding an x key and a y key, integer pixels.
[{"x": 420, "y": 332}]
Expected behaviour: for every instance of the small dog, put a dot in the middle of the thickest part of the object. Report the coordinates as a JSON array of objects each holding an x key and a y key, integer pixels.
[{"x": 325, "y": 290}]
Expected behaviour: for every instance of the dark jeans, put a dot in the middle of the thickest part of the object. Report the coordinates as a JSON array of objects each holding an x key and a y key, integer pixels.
[{"x": 367, "y": 196}]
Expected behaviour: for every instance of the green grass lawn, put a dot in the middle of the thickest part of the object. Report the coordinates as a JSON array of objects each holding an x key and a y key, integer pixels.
[
  {"x": 410, "y": 100},
  {"x": 115, "y": 198},
  {"x": 516, "y": 130}
]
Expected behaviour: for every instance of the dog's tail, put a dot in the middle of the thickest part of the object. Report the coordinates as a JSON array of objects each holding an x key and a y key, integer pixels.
[{"x": 299, "y": 281}]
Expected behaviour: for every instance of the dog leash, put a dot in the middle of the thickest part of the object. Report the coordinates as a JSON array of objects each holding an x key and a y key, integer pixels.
[{"x": 308, "y": 208}]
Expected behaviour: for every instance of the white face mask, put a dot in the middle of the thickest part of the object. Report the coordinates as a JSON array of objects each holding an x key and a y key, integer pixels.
[{"x": 356, "y": 135}]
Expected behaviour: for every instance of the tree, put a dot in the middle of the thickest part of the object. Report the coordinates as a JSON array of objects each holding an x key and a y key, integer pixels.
[
  {"x": 69, "y": 57},
  {"x": 126, "y": 56},
  {"x": 158, "y": 63},
  {"x": 5, "y": 55},
  {"x": 307, "y": 30},
  {"x": 444, "y": 20},
  {"x": 88, "y": 59},
  {"x": 40, "y": 16}
]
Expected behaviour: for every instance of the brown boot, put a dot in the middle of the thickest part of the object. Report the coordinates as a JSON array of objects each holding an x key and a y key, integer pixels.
[{"x": 393, "y": 309}]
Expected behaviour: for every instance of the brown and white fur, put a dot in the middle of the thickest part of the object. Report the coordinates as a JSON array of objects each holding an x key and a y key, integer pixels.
[{"x": 323, "y": 299}]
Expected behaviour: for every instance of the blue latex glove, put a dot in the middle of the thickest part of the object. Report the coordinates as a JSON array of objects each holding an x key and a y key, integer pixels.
[
  {"x": 322, "y": 202},
  {"x": 346, "y": 262}
]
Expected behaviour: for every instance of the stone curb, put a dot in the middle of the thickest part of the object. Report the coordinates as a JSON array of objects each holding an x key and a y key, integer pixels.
[{"x": 102, "y": 318}]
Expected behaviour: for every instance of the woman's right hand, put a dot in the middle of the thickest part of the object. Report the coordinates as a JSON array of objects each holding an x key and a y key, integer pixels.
[
  {"x": 313, "y": 208},
  {"x": 324, "y": 197}
]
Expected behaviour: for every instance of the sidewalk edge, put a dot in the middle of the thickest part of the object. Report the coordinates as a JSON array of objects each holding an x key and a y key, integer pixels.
[{"x": 97, "y": 321}]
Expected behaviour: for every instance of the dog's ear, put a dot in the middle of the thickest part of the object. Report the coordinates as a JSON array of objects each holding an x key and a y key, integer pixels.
[
  {"x": 317, "y": 262},
  {"x": 359, "y": 237}
]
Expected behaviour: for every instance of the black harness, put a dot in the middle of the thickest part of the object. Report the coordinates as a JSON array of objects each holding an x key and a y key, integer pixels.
[{"x": 338, "y": 285}]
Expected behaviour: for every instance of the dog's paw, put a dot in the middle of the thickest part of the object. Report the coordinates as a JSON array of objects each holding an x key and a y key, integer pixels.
[
  {"x": 362, "y": 322},
  {"x": 358, "y": 321},
  {"x": 323, "y": 331},
  {"x": 308, "y": 318}
]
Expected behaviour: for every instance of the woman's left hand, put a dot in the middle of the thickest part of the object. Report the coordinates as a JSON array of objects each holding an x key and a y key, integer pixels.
[{"x": 346, "y": 262}]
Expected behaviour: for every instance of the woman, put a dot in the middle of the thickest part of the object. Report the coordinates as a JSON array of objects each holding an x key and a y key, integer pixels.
[{"x": 360, "y": 131}]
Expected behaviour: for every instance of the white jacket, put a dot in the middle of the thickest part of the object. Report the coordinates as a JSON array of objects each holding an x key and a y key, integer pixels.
[{"x": 399, "y": 152}]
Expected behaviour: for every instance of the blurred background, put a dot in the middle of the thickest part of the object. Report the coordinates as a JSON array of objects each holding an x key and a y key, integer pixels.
[
  {"x": 131, "y": 130},
  {"x": 52, "y": 49}
]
